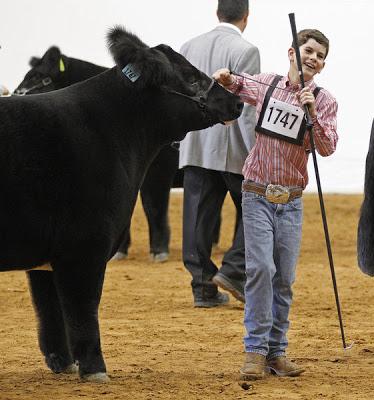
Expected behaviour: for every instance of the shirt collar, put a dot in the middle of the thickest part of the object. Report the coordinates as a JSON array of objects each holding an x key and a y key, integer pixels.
[
  {"x": 286, "y": 83},
  {"x": 228, "y": 25}
]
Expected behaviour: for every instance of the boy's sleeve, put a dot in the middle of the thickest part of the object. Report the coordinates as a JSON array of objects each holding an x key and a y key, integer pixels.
[
  {"x": 244, "y": 87},
  {"x": 249, "y": 63},
  {"x": 324, "y": 126}
]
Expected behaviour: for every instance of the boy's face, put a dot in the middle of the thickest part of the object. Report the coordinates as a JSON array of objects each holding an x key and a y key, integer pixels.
[{"x": 312, "y": 56}]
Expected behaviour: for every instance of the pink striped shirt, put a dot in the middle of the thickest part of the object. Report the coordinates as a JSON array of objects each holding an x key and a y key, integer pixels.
[{"x": 276, "y": 161}]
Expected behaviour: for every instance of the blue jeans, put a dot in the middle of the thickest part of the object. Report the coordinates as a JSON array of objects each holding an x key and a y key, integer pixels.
[{"x": 272, "y": 244}]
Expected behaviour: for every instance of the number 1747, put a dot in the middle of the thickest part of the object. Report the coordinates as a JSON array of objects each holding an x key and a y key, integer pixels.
[{"x": 283, "y": 119}]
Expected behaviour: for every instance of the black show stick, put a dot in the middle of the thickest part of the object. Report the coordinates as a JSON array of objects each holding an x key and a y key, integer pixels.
[{"x": 309, "y": 127}]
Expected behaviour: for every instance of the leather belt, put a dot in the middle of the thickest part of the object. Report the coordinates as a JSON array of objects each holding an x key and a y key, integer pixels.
[{"x": 273, "y": 193}]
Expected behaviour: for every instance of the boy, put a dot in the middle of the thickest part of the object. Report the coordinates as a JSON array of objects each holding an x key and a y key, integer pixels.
[{"x": 275, "y": 174}]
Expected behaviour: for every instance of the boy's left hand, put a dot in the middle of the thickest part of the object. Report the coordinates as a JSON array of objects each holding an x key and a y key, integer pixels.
[{"x": 306, "y": 97}]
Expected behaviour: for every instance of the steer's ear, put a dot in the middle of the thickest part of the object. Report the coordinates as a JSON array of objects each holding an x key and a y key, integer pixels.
[
  {"x": 52, "y": 56},
  {"x": 119, "y": 38},
  {"x": 151, "y": 68},
  {"x": 142, "y": 65},
  {"x": 34, "y": 61}
]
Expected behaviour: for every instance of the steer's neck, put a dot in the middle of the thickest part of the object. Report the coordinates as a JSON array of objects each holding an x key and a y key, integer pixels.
[{"x": 78, "y": 70}]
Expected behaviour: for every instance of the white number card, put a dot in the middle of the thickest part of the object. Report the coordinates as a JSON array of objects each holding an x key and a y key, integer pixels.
[{"x": 283, "y": 120}]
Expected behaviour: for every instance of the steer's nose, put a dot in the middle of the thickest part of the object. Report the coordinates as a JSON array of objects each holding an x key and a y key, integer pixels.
[{"x": 19, "y": 92}]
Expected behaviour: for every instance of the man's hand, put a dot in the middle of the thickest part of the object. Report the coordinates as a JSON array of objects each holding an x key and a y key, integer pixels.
[{"x": 223, "y": 77}]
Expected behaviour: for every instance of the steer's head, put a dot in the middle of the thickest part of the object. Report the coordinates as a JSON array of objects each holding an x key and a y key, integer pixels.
[
  {"x": 46, "y": 74},
  {"x": 161, "y": 68}
]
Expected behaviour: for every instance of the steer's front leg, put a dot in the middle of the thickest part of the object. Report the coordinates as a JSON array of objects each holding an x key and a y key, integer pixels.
[{"x": 79, "y": 287}]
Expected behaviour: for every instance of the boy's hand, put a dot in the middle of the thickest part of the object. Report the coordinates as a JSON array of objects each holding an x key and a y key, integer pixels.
[
  {"x": 223, "y": 77},
  {"x": 306, "y": 97}
]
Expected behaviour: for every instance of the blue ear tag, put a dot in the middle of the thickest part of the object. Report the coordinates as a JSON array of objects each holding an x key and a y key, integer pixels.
[{"x": 131, "y": 72}]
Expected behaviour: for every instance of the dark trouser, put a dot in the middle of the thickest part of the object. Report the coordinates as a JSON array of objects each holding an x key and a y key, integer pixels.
[{"x": 204, "y": 194}]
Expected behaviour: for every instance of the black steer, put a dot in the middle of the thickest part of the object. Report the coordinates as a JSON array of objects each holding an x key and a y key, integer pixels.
[
  {"x": 365, "y": 236},
  {"x": 55, "y": 71},
  {"x": 71, "y": 164}
]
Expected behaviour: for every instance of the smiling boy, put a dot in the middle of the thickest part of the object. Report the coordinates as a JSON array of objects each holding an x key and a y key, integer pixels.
[{"x": 275, "y": 174}]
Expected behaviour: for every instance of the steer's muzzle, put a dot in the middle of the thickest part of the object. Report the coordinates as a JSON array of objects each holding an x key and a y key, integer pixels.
[
  {"x": 238, "y": 108},
  {"x": 19, "y": 92}
]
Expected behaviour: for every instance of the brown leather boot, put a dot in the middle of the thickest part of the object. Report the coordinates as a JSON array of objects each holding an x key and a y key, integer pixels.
[
  {"x": 281, "y": 366},
  {"x": 254, "y": 367}
]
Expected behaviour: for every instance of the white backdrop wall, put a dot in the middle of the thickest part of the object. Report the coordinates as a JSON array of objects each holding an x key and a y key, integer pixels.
[{"x": 79, "y": 27}]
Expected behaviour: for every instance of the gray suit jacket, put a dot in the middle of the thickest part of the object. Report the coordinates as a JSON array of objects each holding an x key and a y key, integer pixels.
[{"x": 221, "y": 148}]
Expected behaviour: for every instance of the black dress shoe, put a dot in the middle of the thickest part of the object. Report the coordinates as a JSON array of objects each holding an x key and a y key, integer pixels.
[
  {"x": 219, "y": 299},
  {"x": 225, "y": 283}
]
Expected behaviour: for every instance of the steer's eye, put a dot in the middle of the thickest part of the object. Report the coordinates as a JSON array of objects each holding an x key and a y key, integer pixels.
[
  {"x": 194, "y": 87},
  {"x": 36, "y": 77}
]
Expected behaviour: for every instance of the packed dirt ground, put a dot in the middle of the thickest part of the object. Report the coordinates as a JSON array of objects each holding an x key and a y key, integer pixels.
[{"x": 157, "y": 346}]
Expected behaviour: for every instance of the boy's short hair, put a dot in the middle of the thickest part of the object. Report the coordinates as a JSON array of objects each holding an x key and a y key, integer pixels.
[
  {"x": 232, "y": 10},
  {"x": 306, "y": 34}
]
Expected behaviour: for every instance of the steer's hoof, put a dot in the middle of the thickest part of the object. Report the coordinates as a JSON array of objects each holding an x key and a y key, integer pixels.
[
  {"x": 99, "y": 377},
  {"x": 57, "y": 363},
  {"x": 160, "y": 257},
  {"x": 71, "y": 369},
  {"x": 119, "y": 256}
]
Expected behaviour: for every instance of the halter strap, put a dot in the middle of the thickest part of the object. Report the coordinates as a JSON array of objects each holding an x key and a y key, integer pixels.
[{"x": 44, "y": 82}]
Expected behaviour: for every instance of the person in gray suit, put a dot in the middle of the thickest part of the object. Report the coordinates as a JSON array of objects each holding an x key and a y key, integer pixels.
[{"x": 212, "y": 160}]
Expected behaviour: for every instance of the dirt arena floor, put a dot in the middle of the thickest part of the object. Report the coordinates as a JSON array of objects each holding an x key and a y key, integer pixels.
[{"x": 157, "y": 346}]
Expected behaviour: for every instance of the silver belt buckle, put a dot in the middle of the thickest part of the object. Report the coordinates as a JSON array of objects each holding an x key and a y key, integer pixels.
[{"x": 277, "y": 194}]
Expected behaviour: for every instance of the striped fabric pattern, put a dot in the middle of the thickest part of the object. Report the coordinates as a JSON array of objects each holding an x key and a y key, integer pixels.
[{"x": 276, "y": 161}]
